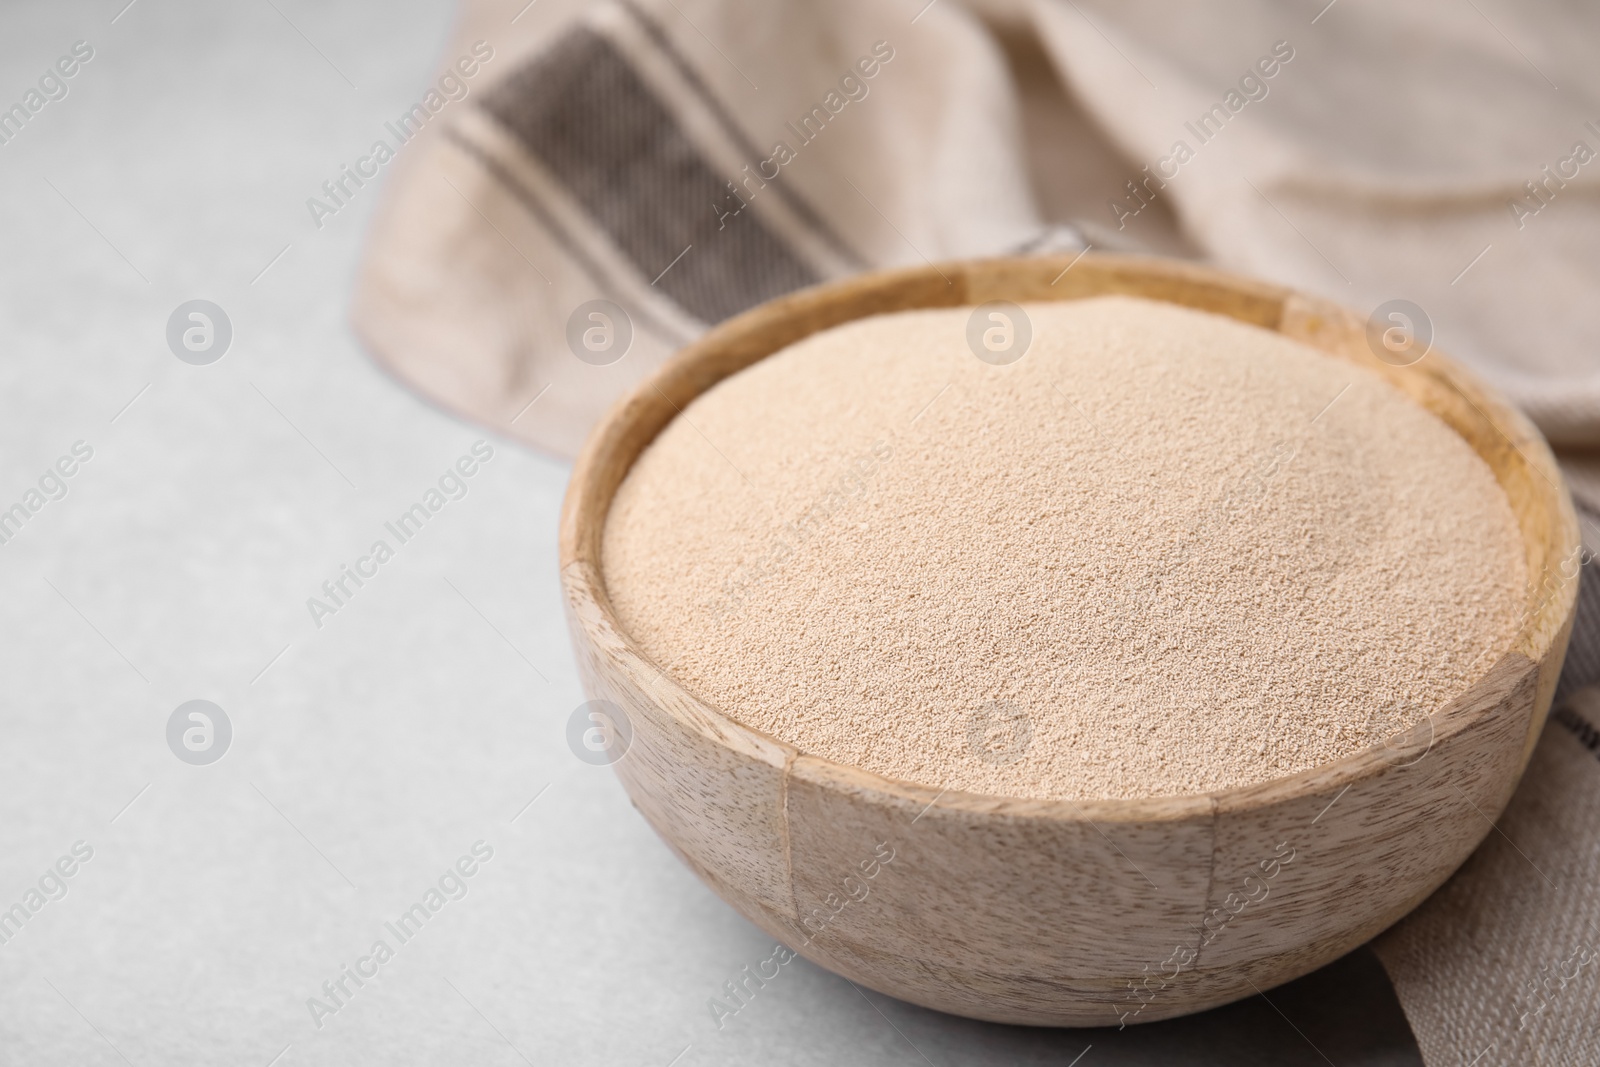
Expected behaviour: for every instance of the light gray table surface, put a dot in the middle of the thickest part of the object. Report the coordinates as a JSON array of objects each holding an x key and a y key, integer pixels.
[{"x": 371, "y": 752}]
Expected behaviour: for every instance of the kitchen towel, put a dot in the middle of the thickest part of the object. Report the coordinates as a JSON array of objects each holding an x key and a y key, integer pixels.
[{"x": 684, "y": 159}]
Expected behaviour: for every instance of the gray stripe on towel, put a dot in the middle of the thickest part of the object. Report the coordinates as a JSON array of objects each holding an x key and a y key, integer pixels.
[
  {"x": 725, "y": 119},
  {"x": 593, "y": 123},
  {"x": 1582, "y": 668}
]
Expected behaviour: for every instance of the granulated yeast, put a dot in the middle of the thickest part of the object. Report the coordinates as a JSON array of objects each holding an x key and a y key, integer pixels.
[{"x": 1163, "y": 553}]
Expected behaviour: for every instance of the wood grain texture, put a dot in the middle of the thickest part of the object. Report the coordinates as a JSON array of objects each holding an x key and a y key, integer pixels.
[{"x": 1049, "y": 911}]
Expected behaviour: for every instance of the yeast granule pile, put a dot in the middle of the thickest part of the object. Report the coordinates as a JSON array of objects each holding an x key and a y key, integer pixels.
[{"x": 1162, "y": 553}]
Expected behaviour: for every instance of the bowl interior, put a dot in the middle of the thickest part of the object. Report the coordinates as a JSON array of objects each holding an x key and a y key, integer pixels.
[{"x": 1508, "y": 443}]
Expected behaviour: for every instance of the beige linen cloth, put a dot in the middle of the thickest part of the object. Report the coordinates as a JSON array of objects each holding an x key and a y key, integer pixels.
[{"x": 684, "y": 160}]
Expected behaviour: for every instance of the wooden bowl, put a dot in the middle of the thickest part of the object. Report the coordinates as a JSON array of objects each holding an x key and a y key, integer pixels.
[{"x": 1049, "y": 911}]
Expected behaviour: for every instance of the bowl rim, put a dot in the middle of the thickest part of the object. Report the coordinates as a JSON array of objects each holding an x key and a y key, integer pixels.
[{"x": 616, "y": 442}]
